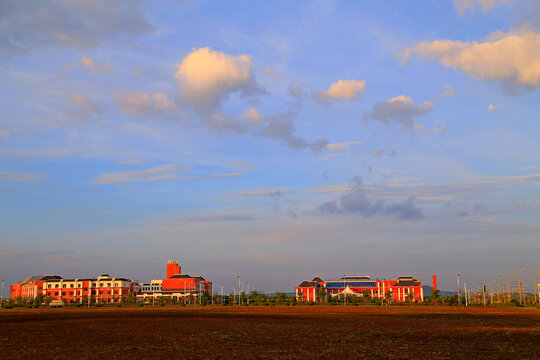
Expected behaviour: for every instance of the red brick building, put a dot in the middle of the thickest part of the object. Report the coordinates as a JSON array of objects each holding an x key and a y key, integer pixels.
[
  {"x": 176, "y": 285},
  {"x": 103, "y": 289},
  {"x": 402, "y": 289}
]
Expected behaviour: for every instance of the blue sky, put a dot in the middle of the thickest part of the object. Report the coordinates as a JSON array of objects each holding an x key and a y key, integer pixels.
[{"x": 277, "y": 140}]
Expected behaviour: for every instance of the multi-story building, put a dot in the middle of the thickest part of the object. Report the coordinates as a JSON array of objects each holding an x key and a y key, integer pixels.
[
  {"x": 176, "y": 285},
  {"x": 402, "y": 289},
  {"x": 103, "y": 289},
  {"x": 107, "y": 289}
]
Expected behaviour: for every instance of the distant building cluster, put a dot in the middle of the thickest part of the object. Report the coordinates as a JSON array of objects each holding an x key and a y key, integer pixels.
[
  {"x": 402, "y": 289},
  {"x": 107, "y": 289}
]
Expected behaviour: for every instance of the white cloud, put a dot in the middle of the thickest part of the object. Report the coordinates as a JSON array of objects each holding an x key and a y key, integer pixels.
[
  {"x": 253, "y": 116},
  {"x": 512, "y": 57},
  {"x": 342, "y": 90},
  {"x": 402, "y": 110},
  {"x": 462, "y": 6},
  {"x": 92, "y": 66},
  {"x": 492, "y": 107},
  {"x": 73, "y": 24},
  {"x": 144, "y": 104},
  {"x": 205, "y": 77},
  {"x": 84, "y": 107},
  {"x": 342, "y": 146}
]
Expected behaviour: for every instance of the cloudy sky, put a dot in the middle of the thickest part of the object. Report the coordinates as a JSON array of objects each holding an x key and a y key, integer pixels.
[{"x": 276, "y": 140}]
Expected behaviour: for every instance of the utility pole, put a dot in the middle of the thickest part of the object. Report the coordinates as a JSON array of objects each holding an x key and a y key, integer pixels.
[
  {"x": 248, "y": 292},
  {"x": 466, "y": 295},
  {"x": 484, "y": 294},
  {"x": 221, "y": 299},
  {"x": 2, "y": 294},
  {"x": 458, "y": 291},
  {"x": 238, "y": 276}
]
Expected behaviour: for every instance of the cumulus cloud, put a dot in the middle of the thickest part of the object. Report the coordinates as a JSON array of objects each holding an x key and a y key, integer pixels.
[
  {"x": 83, "y": 106},
  {"x": 92, "y": 66},
  {"x": 143, "y": 104},
  {"x": 253, "y": 116},
  {"x": 462, "y": 6},
  {"x": 205, "y": 77},
  {"x": 355, "y": 202},
  {"x": 342, "y": 90},
  {"x": 507, "y": 58},
  {"x": 282, "y": 128},
  {"x": 74, "y": 24},
  {"x": 400, "y": 110}
]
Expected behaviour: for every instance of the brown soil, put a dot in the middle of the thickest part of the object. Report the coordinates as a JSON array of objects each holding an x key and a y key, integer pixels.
[{"x": 306, "y": 332}]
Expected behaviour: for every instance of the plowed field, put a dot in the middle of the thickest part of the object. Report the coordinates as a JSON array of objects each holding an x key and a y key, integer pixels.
[{"x": 273, "y": 332}]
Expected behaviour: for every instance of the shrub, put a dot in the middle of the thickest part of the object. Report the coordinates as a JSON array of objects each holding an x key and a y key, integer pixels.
[{"x": 118, "y": 305}]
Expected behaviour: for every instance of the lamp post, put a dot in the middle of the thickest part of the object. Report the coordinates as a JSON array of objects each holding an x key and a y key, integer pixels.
[
  {"x": 2, "y": 294},
  {"x": 533, "y": 287},
  {"x": 458, "y": 291},
  {"x": 520, "y": 285},
  {"x": 508, "y": 285}
]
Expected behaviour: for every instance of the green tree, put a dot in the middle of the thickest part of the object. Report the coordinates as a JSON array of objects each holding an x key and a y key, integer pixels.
[
  {"x": 366, "y": 296},
  {"x": 322, "y": 295}
]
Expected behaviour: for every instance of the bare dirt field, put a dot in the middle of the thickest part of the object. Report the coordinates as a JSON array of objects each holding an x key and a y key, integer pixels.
[{"x": 274, "y": 332}]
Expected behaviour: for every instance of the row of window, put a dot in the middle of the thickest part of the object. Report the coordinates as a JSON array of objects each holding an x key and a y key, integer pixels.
[
  {"x": 353, "y": 284},
  {"x": 93, "y": 292},
  {"x": 50, "y": 286}
]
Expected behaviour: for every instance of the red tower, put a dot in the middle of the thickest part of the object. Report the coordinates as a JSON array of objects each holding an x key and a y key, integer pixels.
[
  {"x": 172, "y": 268},
  {"x": 434, "y": 282}
]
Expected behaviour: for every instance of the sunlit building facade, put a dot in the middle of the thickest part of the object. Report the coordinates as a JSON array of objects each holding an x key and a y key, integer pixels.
[{"x": 402, "y": 289}]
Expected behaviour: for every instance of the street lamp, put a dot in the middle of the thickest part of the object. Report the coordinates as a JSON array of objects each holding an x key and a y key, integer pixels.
[
  {"x": 519, "y": 286},
  {"x": 508, "y": 286}
]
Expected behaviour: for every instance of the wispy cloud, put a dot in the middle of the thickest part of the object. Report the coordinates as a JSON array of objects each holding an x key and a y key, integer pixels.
[
  {"x": 342, "y": 145},
  {"x": 79, "y": 212},
  {"x": 167, "y": 172},
  {"x": 92, "y": 66},
  {"x": 217, "y": 217},
  {"x": 46, "y": 153},
  {"x": 255, "y": 194},
  {"x": 20, "y": 177}
]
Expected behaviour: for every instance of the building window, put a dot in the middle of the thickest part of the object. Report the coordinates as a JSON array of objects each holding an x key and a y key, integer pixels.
[{"x": 56, "y": 286}]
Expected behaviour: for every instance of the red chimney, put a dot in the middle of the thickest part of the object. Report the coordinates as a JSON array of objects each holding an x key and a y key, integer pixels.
[
  {"x": 434, "y": 282},
  {"x": 172, "y": 268}
]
